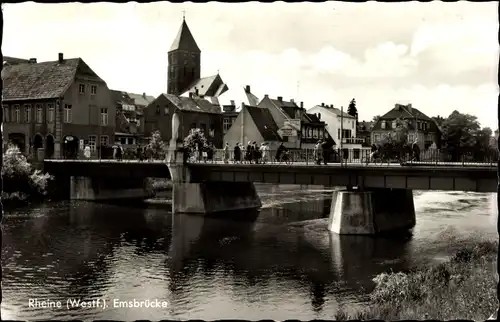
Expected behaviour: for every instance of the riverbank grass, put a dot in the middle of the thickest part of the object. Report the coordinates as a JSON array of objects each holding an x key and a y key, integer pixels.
[{"x": 462, "y": 288}]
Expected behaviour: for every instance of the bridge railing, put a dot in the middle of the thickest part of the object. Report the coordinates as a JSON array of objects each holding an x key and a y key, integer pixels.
[{"x": 309, "y": 156}]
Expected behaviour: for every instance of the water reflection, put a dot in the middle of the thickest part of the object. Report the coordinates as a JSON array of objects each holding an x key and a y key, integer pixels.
[{"x": 278, "y": 263}]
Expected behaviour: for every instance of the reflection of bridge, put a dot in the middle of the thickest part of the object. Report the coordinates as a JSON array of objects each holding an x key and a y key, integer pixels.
[{"x": 216, "y": 186}]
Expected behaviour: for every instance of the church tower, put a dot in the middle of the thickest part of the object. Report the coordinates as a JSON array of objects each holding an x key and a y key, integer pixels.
[{"x": 183, "y": 61}]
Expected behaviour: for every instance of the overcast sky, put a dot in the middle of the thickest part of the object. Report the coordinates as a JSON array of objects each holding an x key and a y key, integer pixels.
[{"x": 438, "y": 56}]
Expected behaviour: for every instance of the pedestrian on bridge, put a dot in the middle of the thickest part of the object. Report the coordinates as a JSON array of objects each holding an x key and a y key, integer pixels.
[
  {"x": 225, "y": 153},
  {"x": 318, "y": 152},
  {"x": 264, "y": 150},
  {"x": 237, "y": 153},
  {"x": 249, "y": 152},
  {"x": 416, "y": 150},
  {"x": 256, "y": 155},
  {"x": 210, "y": 152}
]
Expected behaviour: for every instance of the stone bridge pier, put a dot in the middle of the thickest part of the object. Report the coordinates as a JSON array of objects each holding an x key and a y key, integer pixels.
[
  {"x": 370, "y": 212},
  {"x": 206, "y": 197}
]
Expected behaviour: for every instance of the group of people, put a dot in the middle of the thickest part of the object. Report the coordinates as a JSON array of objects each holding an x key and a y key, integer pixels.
[
  {"x": 321, "y": 152},
  {"x": 252, "y": 153},
  {"x": 413, "y": 150},
  {"x": 204, "y": 152}
]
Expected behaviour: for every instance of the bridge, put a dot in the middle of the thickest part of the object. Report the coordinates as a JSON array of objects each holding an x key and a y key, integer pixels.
[{"x": 377, "y": 198}]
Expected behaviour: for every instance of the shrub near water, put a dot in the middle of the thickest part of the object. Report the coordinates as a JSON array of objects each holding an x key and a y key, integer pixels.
[
  {"x": 463, "y": 288},
  {"x": 20, "y": 181}
]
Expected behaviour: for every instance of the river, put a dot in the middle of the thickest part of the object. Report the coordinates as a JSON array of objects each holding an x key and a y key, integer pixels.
[{"x": 282, "y": 265}]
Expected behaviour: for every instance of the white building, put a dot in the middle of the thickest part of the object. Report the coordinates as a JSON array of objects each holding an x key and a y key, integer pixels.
[{"x": 345, "y": 133}]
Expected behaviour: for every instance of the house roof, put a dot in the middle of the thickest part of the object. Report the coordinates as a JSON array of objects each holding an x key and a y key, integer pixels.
[
  {"x": 199, "y": 105},
  {"x": 237, "y": 95},
  {"x": 184, "y": 39},
  {"x": 141, "y": 99},
  {"x": 365, "y": 126},
  {"x": 265, "y": 123},
  {"x": 121, "y": 97},
  {"x": 14, "y": 60},
  {"x": 313, "y": 118},
  {"x": 405, "y": 112},
  {"x": 334, "y": 110},
  {"x": 40, "y": 80},
  {"x": 208, "y": 86}
]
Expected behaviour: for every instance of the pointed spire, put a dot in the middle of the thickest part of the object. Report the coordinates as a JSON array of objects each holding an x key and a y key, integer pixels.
[{"x": 184, "y": 39}]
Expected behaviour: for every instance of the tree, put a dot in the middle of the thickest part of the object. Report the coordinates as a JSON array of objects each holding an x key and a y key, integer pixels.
[
  {"x": 156, "y": 147},
  {"x": 375, "y": 119},
  {"x": 352, "y": 110},
  {"x": 460, "y": 133},
  {"x": 396, "y": 141},
  {"x": 195, "y": 139},
  {"x": 19, "y": 177}
]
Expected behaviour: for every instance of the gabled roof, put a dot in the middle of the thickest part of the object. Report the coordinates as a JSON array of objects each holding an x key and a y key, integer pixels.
[
  {"x": 287, "y": 107},
  {"x": 208, "y": 86},
  {"x": 265, "y": 123},
  {"x": 184, "y": 40},
  {"x": 121, "y": 97},
  {"x": 405, "y": 112},
  {"x": 41, "y": 80},
  {"x": 199, "y": 105}
]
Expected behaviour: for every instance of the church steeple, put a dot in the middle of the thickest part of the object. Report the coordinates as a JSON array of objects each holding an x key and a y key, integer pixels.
[
  {"x": 184, "y": 39},
  {"x": 184, "y": 61}
]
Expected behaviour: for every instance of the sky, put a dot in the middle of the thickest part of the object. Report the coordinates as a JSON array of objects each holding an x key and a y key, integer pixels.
[{"x": 438, "y": 56}]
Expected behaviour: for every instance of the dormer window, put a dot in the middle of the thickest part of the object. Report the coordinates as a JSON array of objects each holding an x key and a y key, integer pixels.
[
  {"x": 382, "y": 124},
  {"x": 81, "y": 88}
]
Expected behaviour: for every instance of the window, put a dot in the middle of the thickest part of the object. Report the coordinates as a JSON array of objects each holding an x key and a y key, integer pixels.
[
  {"x": 68, "y": 115},
  {"x": 39, "y": 113},
  {"x": 104, "y": 140},
  {"x": 203, "y": 128},
  {"x": 93, "y": 90},
  {"x": 104, "y": 116},
  {"x": 394, "y": 124},
  {"x": 157, "y": 109},
  {"x": 226, "y": 125},
  {"x": 6, "y": 113},
  {"x": 123, "y": 141},
  {"x": 92, "y": 142},
  {"x": 81, "y": 88},
  {"x": 17, "y": 114},
  {"x": 50, "y": 114},
  {"x": 382, "y": 125},
  {"x": 130, "y": 140},
  {"x": 165, "y": 111},
  {"x": 185, "y": 62},
  {"x": 193, "y": 126},
  {"x": 27, "y": 113}
]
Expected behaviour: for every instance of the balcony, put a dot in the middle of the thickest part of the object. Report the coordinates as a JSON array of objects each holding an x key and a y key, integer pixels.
[{"x": 353, "y": 140}]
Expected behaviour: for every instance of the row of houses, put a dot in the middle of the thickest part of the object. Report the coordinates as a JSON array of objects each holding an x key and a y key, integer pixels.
[{"x": 59, "y": 107}]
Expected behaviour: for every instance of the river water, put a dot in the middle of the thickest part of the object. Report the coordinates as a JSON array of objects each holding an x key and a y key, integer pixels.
[{"x": 282, "y": 265}]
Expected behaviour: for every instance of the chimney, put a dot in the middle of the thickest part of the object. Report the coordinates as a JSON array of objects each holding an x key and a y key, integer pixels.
[
  {"x": 291, "y": 100},
  {"x": 32, "y": 60},
  {"x": 280, "y": 98},
  {"x": 322, "y": 104},
  {"x": 143, "y": 95},
  {"x": 61, "y": 57},
  {"x": 319, "y": 116},
  {"x": 190, "y": 94},
  {"x": 247, "y": 88},
  {"x": 232, "y": 103},
  {"x": 301, "y": 104},
  {"x": 196, "y": 91},
  {"x": 266, "y": 96},
  {"x": 331, "y": 105}
]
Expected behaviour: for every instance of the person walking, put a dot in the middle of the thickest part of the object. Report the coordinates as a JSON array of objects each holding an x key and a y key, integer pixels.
[
  {"x": 416, "y": 150},
  {"x": 248, "y": 153},
  {"x": 317, "y": 152},
  {"x": 264, "y": 150},
  {"x": 237, "y": 153},
  {"x": 255, "y": 152},
  {"x": 225, "y": 152},
  {"x": 86, "y": 152},
  {"x": 210, "y": 152}
]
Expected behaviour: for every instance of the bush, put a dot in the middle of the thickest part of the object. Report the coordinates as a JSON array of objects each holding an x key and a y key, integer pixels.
[
  {"x": 463, "y": 288},
  {"x": 20, "y": 179}
]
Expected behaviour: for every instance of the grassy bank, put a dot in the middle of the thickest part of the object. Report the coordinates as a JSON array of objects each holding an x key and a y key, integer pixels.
[{"x": 465, "y": 287}]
